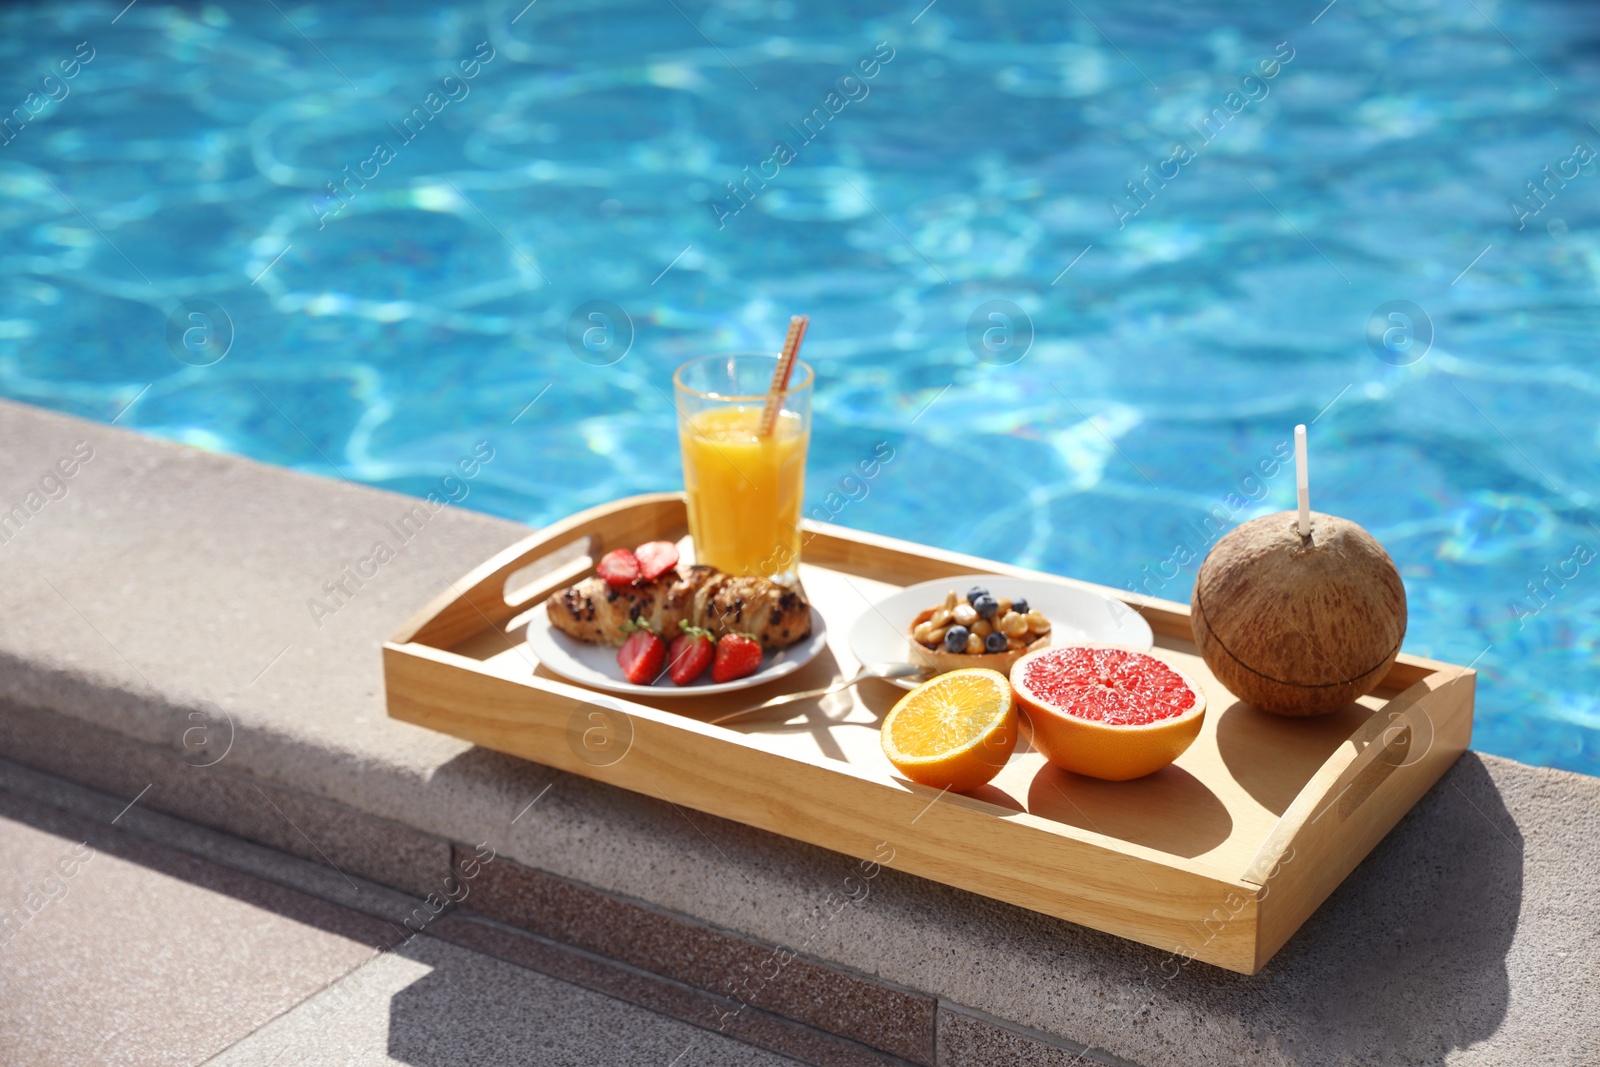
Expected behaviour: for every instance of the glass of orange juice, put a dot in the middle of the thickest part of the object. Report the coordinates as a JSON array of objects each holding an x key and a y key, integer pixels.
[{"x": 744, "y": 488}]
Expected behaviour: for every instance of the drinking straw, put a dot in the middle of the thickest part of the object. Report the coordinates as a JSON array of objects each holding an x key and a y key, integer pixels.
[
  {"x": 780, "y": 377},
  {"x": 1302, "y": 479}
]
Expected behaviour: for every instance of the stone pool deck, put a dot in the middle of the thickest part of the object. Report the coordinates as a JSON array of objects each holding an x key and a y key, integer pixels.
[
  {"x": 167, "y": 590},
  {"x": 159, "y": 942}
]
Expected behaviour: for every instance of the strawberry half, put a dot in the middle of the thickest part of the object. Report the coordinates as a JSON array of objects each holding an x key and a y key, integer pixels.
[
  {"x": 689, "y": 655},
  {"x": 738, "y": 655},
  {"x": 618, "y": 567},
  {"x": 641, "y": 656},
  {"x": 656, "y": 559}
]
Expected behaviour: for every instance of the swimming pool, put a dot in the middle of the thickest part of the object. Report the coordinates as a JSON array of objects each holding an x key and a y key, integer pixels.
[{"x": 395, "y": 226}]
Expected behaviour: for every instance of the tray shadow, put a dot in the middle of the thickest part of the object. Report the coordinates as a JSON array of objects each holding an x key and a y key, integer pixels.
[
  {"x": 1170, "y": 811},
  {"x": 1272, "y": 757},
  {"x": 1409, "y": 954}
]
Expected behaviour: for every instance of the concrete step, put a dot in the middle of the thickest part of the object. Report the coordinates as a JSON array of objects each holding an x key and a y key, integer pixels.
[{"x": 131, "y": 937}]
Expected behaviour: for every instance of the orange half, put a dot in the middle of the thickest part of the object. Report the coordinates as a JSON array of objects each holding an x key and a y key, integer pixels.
[{"x": 954, "y": 732}]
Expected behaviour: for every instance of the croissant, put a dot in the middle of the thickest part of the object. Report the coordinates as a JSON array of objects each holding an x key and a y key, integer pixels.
[{"x": 593, "y": 611}]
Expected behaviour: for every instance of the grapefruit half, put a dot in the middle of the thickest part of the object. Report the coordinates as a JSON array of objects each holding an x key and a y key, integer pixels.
[{"x": 1107, "y": 711}]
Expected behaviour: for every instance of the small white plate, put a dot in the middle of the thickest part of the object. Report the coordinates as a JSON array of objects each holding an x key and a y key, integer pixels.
[
  {"x": 596, "y": 665},
  {"x": 1075, "y": 614}
]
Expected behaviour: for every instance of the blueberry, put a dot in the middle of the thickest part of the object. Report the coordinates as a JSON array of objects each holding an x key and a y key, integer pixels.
[
  {"x": 995, "y": 642},
  {"x": 986, "y": 606},
  {"x": 1020, "y": 606},
  {"x": 974, "y": 593},
  {"x": 955, "y": 639}
]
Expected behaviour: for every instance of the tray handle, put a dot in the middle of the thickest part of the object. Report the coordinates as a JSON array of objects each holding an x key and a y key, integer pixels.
[
  {"x": 480, "y": 597},
  {"x": 1396, "y": 736}
]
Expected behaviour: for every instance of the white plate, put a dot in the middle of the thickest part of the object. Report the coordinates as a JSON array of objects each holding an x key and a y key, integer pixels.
[
  {"x": 596, "y": 665},
  {"x": 1075, "y": 614}
]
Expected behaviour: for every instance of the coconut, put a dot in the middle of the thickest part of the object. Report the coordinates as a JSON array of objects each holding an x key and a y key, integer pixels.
[{"x": 1298, "y": 625}]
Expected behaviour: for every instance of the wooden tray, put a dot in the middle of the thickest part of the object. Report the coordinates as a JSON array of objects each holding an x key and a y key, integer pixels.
[{"x": 1219, "y": 857}]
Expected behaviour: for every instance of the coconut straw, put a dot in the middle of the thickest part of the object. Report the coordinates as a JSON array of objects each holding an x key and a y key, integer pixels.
[
  {"x": 1302, "y": 479},
  {"x": 780, "y": 377}
]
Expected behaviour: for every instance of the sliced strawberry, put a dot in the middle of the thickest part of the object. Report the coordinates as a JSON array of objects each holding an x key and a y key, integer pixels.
[
  {"x": 689, "y": 655},
  {"x": 641, "y": 656},
  {"x": 656, "y": 559},
  {"x": 738, "y": 655},
  {"x": 618, "y": 567}
]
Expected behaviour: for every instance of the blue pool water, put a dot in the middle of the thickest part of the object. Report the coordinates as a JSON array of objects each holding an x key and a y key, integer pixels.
[{"x": 1177, "y": 337}]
